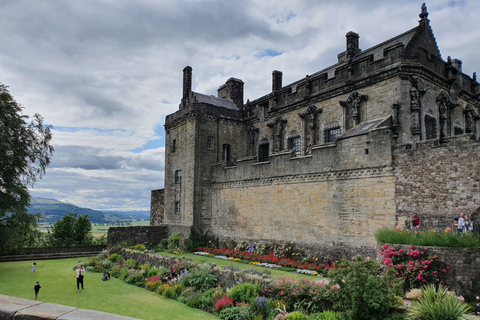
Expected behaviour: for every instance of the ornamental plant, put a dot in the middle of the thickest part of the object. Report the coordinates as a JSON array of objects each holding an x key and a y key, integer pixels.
[
  {"x": 415, "y": 266},
  {"x": 223, "y": 302},
  {"x": 437, "y": 303},
  {"x": 312, "y": 296},
  {"x": 366, "y": 288}
]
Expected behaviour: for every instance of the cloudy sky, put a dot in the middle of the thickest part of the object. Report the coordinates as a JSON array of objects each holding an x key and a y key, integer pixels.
[{"x": 104, "y": 73}]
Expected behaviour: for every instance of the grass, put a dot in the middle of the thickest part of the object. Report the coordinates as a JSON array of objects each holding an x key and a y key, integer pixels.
[
  {"x": 224, "y": 263},
  {"x": 58, "y": 282},
  {"x": 428, "y": 238}
]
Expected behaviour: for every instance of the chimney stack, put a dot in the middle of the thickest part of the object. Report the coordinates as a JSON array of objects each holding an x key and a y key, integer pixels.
[
  {"x": 187, "y": 84},
  {"x": 352, "y": 43},
  {"x": 276, "y": 80}
]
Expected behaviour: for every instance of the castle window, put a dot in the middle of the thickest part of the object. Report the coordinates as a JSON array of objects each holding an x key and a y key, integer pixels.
[
  {"x": 331, "y": 134},
  {"x": 295, "y": 143},
  {"x": 458, "y": 130},
  {"x": 177, "y": 207},
  {"x": 178, "y": 176},
  {"x": 211, "y": 143},
  {"x": 430, "y": 127},
  {"x": 263, "y": 152},
  {"x": 174, "y": 145},
  {"x": 226, "y": 153}
]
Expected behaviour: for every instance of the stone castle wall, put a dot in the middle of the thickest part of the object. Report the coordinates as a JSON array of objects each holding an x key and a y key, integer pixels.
[{"x": 438, "y": 182}]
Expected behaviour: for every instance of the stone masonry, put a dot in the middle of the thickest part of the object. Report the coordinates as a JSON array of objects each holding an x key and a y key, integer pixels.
[{"x": 327, "y": 160}]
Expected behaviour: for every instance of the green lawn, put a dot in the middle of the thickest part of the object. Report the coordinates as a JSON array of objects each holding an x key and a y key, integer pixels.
[{"x": 58, "y": 282}]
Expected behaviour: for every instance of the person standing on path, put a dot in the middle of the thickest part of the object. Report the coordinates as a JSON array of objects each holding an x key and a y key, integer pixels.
[
  {"x": 461, "y": 223},
  {"x": 468, "y": 224},
  {"x": 80, "y": 271},
  {"x": 37, "y": 289},
  {"x": 415, "y": 222},
  {"x": 34, "y": 267}
]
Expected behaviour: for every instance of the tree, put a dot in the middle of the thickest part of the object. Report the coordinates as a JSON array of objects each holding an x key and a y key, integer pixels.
[
  {"x": 72, "y": 230},
  {"x": 25, "y": 152}
]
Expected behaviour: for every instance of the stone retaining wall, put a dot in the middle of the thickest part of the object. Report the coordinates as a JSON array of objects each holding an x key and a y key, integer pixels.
[
  {"x": 226, "y": 278},
  {"x": 54, "y": 253},
  {"x": 137, "y": 235},
  {"x": 464, "y": 275}
]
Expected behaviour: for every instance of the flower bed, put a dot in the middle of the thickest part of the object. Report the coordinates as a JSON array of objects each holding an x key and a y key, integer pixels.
[{"x": 267, "y": 260}]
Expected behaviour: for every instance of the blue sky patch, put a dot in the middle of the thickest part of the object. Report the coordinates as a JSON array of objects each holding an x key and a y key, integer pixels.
[{"x": 268, "y": 53}]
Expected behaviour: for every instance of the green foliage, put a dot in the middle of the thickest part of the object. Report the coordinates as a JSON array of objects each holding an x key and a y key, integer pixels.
[
  {"x": 195, "y": 241},
  {"x": 25, "y": 152},
  {"x": 328, "y": 315},
  {"x": 235, "y": 313},
  {"x": 437, "y": 303},
  {"x": 201, "y": 279},
  {"x": 124, "y": 273},
  {"x": 72, "y": 230},
  {"x": 303, "y": 294},
  {"x": 19, "y": 230},
  {"x": 174, "y": 240},
  {"x": 130, "y": 263},
  {"x": 437, "y": 238},
  {"x": 416, "y": 266},
  {"x": 137, "y": 279},
  {"x": 116, "y": 258},
  {"x": 163, "y": 245},
  {"x": 245, "y": 292},
  {"x": 107, "y": 264},
  {"x": 139, "y": 247},
  {"x": 115, "y": 270},
  {"x": 396, "y": 316},
  {"x": 365, "y": 289}
]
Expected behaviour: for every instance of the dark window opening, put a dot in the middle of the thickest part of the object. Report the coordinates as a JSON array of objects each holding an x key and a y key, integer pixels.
[
  {"x": 366, "y": 151},
  {"x": 178, "y": 176},
  {"x": 263, "y": 152},
  {"x": 430, "y": 127},
  {"x": 211, "y": 143},
  {"x": 331, "y": 134},
  {"x": 458, "y": 130},
  {"x": 177, "y": 207},
  {"x": 226, "y": 153},
  {"x": 174, "y": 145},
  {"x": 296, "y": 145}
]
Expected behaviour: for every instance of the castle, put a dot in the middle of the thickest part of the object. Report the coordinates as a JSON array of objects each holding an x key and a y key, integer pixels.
[{"x": 327, "y": 160}]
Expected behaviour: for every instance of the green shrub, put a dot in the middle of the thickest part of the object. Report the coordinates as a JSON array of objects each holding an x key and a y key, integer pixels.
[
  {"x": 438, "y": 304},
  {"x": 131, "y": 264},
  {"x": 201, "y": 279},
  {"x": 124, "y": 273},
  {"x": 137, "y": 279},
  {"x": 245, "y": 292},
  {"x": 115, "y": 270},
  {"x": 396, "y": 316},
  {"x": 235, "y": 313},
  {"x": 416, "y": 266},
  {"x": 90, "y": 269},
  {"x": 437, "y": 238},
  {"x": 365, "y": 289},
  {"x": 116, "y": 258},
  {"x": 163, "y": 245},
  {"x": 327, "y": 315},
  {"x": 107, "y": 264},
  {"x": 139, "y": 247},
  {"x": 174, "y": 240},
  {"x": 195, "y": 241}
]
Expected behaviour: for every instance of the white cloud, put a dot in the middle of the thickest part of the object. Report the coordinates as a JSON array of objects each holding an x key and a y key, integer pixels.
[{"x": 105, "y": 73}]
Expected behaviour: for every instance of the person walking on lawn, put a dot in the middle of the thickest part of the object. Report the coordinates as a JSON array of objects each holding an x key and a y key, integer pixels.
[{"x": 80, "y": 271}]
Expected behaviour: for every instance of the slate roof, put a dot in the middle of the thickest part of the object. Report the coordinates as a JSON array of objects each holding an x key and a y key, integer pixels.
[
  {"x": 379, "y": 49},
  {"x": 364, "y": 128},
  {"x": 218, "y": 102}
]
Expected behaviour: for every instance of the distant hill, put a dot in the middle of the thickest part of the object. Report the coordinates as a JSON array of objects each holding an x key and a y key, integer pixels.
[{"x": 53, "y": 210}]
